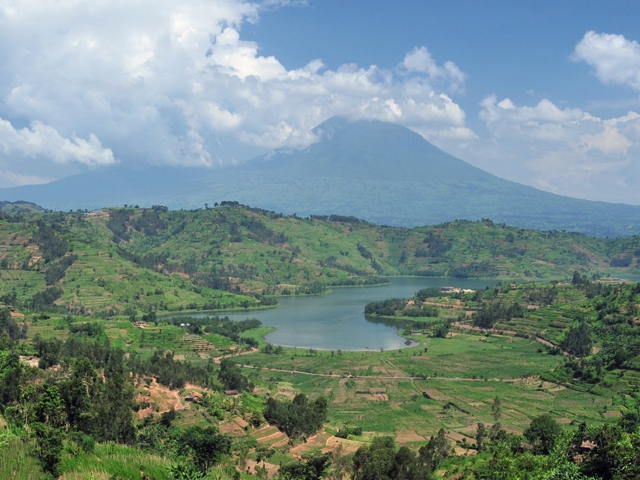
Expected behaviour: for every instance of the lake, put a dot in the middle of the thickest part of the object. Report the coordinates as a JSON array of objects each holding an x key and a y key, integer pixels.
[{"x": 336, "y": 321}]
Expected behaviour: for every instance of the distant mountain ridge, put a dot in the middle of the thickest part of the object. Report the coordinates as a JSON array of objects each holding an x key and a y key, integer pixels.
[{"x": 377, "y": 171}]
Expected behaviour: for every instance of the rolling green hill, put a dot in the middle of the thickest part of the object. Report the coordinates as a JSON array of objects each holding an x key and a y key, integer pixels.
[
  {"x": 158, "y": 384},
  {"x": 231, "y": 256}
]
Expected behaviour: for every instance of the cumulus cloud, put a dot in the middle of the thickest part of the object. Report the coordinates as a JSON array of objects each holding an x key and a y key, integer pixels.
[
  {"x": 505, "y": 113},
  {"x": 420, "y": 60},
  {"x": 43, "y": 140},
  {"x": 567, "y": 151},
  {"x": 614, "y": 58},
  {"x": 176, "y": 84}
]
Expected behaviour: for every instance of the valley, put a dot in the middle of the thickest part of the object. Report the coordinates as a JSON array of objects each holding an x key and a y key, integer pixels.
[{"x": 146, "y": 292}]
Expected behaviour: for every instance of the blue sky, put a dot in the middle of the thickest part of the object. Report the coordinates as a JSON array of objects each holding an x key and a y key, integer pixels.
[
  {"x": 515, "y": 49},
  {"x": 545, "y": 93}
]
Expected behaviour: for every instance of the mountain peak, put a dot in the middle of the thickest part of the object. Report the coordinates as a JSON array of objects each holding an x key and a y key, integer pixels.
[{"x": 371, "y": 149}]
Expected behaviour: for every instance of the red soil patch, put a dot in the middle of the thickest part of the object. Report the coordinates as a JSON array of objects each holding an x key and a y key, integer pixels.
[
  {"x": 348, "y": 446},
  {"x": 31, "y": 361},
  {"x": 312, "y": 442},
  {"x": 241, "y": 422},
  {"x": 407, "y": 436},
  {"x": 231, "y": 428},
  {"x": 272, "y": 470},
  {"x": 162, "y": 398},
  {"x": 463, "y": 452}
]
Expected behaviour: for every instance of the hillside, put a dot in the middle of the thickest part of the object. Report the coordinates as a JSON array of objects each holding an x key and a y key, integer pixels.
[
  {"x": 373, "y": 170},
  {"x": 20, "y": 208},
  {"x": 125, "y": 260},
  {"x": 117, "y": 397},
  {"x": 257, "y": 248},
  {"x": 131, "y": 400},
  {"x": 59, "y": 259},
  {"x": 593, "y": 324}
]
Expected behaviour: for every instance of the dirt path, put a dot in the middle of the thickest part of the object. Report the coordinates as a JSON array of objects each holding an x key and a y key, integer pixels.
[
  {"x": 465, "y": 326},
  {"x": 380, "y": 377},
  {"x": 551, "y": 345},
  {"x": 217, "y": 359}
]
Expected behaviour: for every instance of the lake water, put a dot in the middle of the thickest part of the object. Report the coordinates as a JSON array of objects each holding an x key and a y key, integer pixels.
[{"x": 336, "y": 321}]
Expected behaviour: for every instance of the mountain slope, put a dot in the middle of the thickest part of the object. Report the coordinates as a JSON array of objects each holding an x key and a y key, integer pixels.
[{"x": 377, "y": 171}]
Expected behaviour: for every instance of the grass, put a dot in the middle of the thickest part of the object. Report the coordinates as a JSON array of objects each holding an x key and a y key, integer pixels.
[
  {"x": 477, "y": 369},
  {"x": 460, "y": 375},
  {"x": 17, "y": 461},
  {"x": 114, "y": 460}
]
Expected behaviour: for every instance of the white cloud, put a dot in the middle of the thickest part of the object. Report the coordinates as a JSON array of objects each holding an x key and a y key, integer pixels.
[
  {"x": 44, "y": 141},
  {"x": 609, "y": 142},
  {"x": 10, "y": 179},
  {"x": 614, "y": 58},
  {"x": 505, "y": 111},
  {"x": 176, "y": 84},
  {"x": 567, "y": 151},
  {"x": 420, "y": 60}
]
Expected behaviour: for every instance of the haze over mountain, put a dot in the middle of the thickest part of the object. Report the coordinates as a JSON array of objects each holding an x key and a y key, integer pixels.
[{"x": 374, "y": 170}]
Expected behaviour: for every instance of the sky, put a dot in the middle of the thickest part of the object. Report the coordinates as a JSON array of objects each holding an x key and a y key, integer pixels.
[{"x": 544, "y": 93}]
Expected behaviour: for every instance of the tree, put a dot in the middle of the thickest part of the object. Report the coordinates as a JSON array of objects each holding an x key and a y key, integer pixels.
[
  {"x": 314, "y": 468},
  {"x": 435, "y": 452},
  {"x": 167, "y": 417},
  {"x": 184, "y": 470},
  {"x": 78, "y": 394},
  {"x": 495, "y": 409},
  {"x": 10, "y": 379},
  {"x": 376, "y": 461},
  {"x": 49, "y": 446},
  {"x": 296, "y": 417},
  {"x": 481, "y": 436},
  {"x": 405, "y": 465},
  {"x": 231, "y": 376},
  {"x": 381, "y": 461},
  {"x": 113, "y": 411},
  {"x": 263, "y": 453},
  {"x": 578, "y": 340},
  {"x": 542, "y": 433},
  {"x": 206, "y": 445},
  {"x": 616, "y": 456},
  {"x": 49, "y": 429}
]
